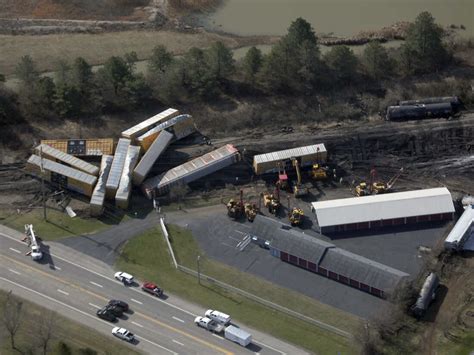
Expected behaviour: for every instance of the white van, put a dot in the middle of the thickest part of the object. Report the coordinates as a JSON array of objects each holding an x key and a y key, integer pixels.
[{"x": 217, "y": 316}]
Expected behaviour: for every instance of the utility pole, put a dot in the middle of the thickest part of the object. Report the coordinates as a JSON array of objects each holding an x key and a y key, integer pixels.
[
  {"x": 42, "y": 183},
  {"x": 199, "y": 269}
]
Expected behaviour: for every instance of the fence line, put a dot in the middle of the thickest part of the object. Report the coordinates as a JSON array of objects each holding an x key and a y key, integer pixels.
[{"x": 249, "y": 295}]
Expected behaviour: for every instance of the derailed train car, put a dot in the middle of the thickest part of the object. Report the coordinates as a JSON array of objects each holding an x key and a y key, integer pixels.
[
  {"x": 455, "y": 101},
  {"x": 421, "y": 111},
  {"x": 426, "y": 296}
]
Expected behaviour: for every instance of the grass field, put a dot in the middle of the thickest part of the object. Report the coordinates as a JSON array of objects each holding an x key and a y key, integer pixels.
[
  {"x": 58, "y": 224},
  {"x": 77, "y": 336},
  {"x": 147, "y": 257},
  {"x": 96, "y": 48}
]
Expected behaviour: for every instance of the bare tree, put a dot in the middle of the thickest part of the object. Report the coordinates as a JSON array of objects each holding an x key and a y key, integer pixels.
[
  {"x": 46, "y": 328},
  {"x": 12, "y": 317}
]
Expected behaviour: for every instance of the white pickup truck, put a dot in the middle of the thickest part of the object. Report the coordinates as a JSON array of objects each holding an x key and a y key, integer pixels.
[
  {"x": 217, "y": 316},
  {"x": 209, "y": 324}
]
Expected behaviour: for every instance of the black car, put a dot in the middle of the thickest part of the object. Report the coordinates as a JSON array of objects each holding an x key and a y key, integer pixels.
[
  {"x": 106, "y": 314},
  {"x": 115, "y": 310},
  {"x": 120, "y": 304}
]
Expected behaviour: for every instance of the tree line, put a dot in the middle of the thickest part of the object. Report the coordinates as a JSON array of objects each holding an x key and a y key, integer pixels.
[{"x": 294, "y": 66}]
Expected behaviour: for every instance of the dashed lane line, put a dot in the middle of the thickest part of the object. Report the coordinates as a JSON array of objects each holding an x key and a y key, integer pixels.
[
  {"x": 14, "y": 271},
  {"x": 63, "y": 292},
  {"x": 96, "y": 284},
  {"x": 178, "y": 319},
  {"x": 134, "y": 300},
  {"x": 137, "y": 324},
  {"x": 15, "y": 250}
]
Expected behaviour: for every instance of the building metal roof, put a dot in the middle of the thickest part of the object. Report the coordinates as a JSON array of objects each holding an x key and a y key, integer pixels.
[
  {"x": 169, "y": 123},
  {"x": 98, "y": 195},
  {"x": 150, "y": 122},
  {"x": 115, "y": 173},
  {"x": 285, "y": 238},
  {"x": 290, "y": 153},
  {"x": 382, "y": 207},
  {"x": 193, "y": 169},
  {"x": 152, "y": 154},
  {"x": 123, "y": 191},
  {"x": 361, "y": 269},
  {"x": 463, "y": 230},
  {"x": 68, "y": 159},
  {"x": 64, "y": 170}
]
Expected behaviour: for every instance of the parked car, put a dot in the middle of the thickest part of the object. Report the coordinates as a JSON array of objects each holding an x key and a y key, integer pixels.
[
  {"x": 106, "y": 314},
  {"x": 120, "y": 304},
  {"x": 123, "y": 334},
  {"x": 115, "y": 310},
  {"x": 152, "y": 288},
  {"x": 127, "y": 279}
]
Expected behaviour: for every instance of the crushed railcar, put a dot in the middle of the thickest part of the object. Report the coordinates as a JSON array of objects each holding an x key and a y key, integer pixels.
[{"x": 420, "y": 111}]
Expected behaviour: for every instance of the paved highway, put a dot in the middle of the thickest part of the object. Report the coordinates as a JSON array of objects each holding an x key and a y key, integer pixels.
[{"x": 76, "y": 285}]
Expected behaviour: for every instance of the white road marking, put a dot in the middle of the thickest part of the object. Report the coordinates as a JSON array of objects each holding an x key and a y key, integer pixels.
[
  {"x": 134, "y": 300},
  {"x": 179, "y": 320},
  {"x": 240, "y": 232},
  {"x": 217, "y": 336},
  {"x": 268, "y": 346},
  {"x": 15, "y": 250},
  {"x": 177, "y": 342},
  {"x": 57, "y": 267},
  {"x": 79, "y": 311},
  {"x": 14, "y": 271},
  {"x": 137, "y": 324},
  {"x": 63, "y": 292},
  {"x": 236, "y": 239},
  {"x": 155, "y": 344},
  {"x": 96, "y": 284},
  {"x": 110, "y": 279},
  {"x": 94, "y": 305}
]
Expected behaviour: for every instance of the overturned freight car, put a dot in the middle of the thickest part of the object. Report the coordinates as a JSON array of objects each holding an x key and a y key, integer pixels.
[
  {"x": 191, "y": 170},
  {"x": 418, "y": 112},
  {"x": 455, "y": 101},
  {"x": 426, "y": 296}
]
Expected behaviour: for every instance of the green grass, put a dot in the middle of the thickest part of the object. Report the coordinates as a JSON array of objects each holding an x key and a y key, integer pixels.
[
  {"x": 72, "y": 333},
  {"x": 147, "y": 257},
  {"x": 463, "y": 345},
  {"x": 58, "y": 224}
]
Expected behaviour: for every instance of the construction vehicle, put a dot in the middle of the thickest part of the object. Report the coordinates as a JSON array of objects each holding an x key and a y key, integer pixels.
[
  {"x": 251, "y": 211},
  {"x": 298, "y": 189},
  {"x": 376, "y": 186},
  {"x": 295, "y": 215},
  {"x": 282, "y": 182},
  {"x": 319, "y": 171},
  {"x": 235, "y": 208},
  {"x": 35, "y": 249},
  {"x": 272, "y": 201}
]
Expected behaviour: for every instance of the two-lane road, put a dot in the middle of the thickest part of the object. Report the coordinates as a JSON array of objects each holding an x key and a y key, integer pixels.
[{"x": 77, "y": 289}]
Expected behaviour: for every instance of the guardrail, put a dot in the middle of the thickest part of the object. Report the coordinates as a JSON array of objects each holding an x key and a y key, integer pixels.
[{"x": 249, "y": 295}]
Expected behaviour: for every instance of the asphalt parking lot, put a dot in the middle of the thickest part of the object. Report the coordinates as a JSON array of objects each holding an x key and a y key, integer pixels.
[{"x": 226, "y": 240}]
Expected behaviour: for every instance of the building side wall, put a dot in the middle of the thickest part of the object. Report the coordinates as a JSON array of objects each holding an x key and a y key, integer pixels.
[{"x": 313, "y": 267}]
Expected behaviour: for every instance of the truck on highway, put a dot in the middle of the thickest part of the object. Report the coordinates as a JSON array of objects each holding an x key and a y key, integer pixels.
[
  {"x": 209, "y": 324},
  {"x": 237, "y": 335},
  {"x": 35, "y": 248},
  {"x": 217, "y": 316}
]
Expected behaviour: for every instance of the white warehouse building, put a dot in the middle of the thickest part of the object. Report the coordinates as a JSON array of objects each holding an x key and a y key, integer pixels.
[{"x": 377, "y": 211}]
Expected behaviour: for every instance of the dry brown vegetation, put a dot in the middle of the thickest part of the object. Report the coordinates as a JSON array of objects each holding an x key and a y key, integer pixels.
[{"x": 74, "y": 9}]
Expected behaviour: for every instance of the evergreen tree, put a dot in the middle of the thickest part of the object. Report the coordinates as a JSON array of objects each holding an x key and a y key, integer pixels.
[
  {"x": 220, "y": 60},
  {"x": 377, "y": 63},
  {"x": 343, "y": 62},
  {"x": 252, "y": 64},
  {"x": 160, "y": 60}
]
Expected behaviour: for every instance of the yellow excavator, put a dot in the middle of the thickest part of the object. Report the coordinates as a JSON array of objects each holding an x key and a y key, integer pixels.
[
  {"x": 251, "y": 211},
  {"x": 376, "y": 186},
  {"x": 272, "y": 201},
  {"x": 235, "y": 209},
  {"x": 319, "y": 171},
  {"x": 298, "y": 189}
]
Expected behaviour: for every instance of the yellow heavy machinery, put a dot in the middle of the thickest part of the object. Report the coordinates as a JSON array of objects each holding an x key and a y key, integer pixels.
[
  {"x": 251, "y": 211},
  {"x": 282, "y": 182},
  {"x": 235, "y": 209},
  {"x": 319, "y": 171},
  {"x": 296, "y": 216},
  {"x": 376, "y": 186},
  {"x": 298, "y": 189},
  {"x": 272, "y": 201}
]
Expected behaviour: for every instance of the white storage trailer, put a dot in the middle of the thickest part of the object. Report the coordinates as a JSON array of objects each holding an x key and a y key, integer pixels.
[
  {"x": 58, "y": 156},
  {"x": 122, "y": 196},
  {"x": 192, "y": 170},
  {"x": 98, "y": 195},
  {"x": 462, "y": 231},
  {"x": 115, "y": 174},
  {"x": 137, "y": 130},
  {"x": 151, "y": 156},
  {"x": 237, "y": 335},
  {"x": 219, "y": 317},
  {"x": 308, "y": 155}
]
